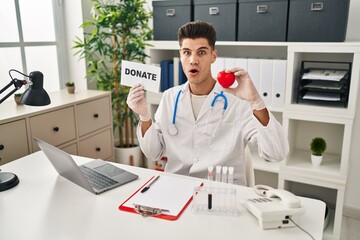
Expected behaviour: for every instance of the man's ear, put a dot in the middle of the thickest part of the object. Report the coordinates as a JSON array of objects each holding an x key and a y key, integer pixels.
[{"x": 214, "y": 56}]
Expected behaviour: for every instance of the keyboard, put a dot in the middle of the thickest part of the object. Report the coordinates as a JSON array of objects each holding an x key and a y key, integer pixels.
[{"x": 97, "y": 180}]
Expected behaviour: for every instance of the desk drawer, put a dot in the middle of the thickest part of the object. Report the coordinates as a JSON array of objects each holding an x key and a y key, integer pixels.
[
  {"x": 97, "y": 146},
  {"x": 13, "y": 141},
  {"x": 55, "y": 127},
  {"x": 71, "y": 149},
  {"x": 93, "y": 115}
]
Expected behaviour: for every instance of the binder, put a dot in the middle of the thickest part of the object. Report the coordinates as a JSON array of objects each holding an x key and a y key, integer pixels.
[
  {"x": 217, "y": 66},
  {"x": 182, "y": 76},
  {"x": 171, "y": 75},
  {"x": 176, "y": 61},
  {"x": 254, "y": 71},
  {"x": 242, "y": 63},
  {"x": 230, "y": 63},
  {"x": 166, "y": 78},
  {"x": 279, "y": 81},
  {"x": 170, "y": 194},
  {"x": 179, "y": 75},
  {"x": 266, "y": 79}
]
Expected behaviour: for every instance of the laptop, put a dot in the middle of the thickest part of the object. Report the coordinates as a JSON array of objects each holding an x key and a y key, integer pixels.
[{"x": 96, "y": 176}]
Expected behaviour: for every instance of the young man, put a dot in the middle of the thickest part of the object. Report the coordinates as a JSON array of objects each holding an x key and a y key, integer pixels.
[{"x": 194, "y": 135}]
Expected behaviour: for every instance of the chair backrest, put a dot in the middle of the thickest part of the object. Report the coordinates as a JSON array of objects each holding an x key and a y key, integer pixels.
[{"x": 249, "y": 170}]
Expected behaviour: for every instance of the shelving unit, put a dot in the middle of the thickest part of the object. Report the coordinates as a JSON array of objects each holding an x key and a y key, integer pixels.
[{"x": 301, "y": 122}]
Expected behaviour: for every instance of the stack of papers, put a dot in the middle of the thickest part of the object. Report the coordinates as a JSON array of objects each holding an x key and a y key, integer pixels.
[
  {"x": 322, "y": 96},
  {"x": 330, "y": 75},
  {"x": 324, "y": 85}
]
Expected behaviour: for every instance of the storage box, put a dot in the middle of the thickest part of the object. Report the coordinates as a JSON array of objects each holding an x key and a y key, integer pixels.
[
  {"x": 318, "y": 21},
  {"x": 222, "y": 14},
  {"x": 169, "y": 16},
  {"x": 262, "y": 20}
]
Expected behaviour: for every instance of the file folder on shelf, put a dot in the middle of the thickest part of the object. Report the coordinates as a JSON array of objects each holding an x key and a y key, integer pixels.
[
  {"x": 168, "y": 197},
  {"x": 324, "y": 83},
  {"x": 167, "y": 74},
  {"x": 279, "y": 82},
  {"x": 266, "y": 80}
]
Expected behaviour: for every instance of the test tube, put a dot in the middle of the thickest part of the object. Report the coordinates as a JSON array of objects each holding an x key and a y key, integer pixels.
[
  {"x": 224, "y": 174},
  {"x": 211, "y": 173},
  {"x": 218, "y": 174},
  {"x": 209, "y": 200},
  {"x": 231, "y": 175}
]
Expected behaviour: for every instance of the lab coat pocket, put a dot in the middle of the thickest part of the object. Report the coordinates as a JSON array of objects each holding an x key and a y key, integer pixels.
[{"x": 223, "y": 138}]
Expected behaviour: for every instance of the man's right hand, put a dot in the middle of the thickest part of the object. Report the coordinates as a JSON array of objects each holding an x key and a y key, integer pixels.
[{"x": 137, "y": 102}]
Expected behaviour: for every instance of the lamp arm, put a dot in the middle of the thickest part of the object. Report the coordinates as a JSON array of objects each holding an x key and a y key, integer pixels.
[{"x": 17, "y": 83}]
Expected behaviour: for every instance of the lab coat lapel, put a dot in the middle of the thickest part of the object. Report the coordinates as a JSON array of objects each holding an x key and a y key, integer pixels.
[
  {"x": 207, "y": 103},
  {"x": 185, "y": 101}
]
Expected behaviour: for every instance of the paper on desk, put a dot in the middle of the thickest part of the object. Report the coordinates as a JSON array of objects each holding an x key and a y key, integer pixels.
[
  {"x": 167, "y": 192},
  {"x": 133, "y": 73}
]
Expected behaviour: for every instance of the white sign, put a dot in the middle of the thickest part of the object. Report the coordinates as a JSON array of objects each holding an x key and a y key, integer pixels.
[{"x": 133, "y": 73}]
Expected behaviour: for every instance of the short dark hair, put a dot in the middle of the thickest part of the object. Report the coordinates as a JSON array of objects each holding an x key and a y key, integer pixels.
[{"x": 197, "y": 29}]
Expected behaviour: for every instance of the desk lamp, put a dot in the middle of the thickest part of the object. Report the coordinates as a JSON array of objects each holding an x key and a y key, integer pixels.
[{"x": 35, "y": 95}]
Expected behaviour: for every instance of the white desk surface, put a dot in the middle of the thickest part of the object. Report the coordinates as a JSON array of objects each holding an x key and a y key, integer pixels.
[{"x": 47, "y": 206}]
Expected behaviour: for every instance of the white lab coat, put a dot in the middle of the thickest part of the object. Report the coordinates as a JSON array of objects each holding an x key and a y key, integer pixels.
[{"x": 191, "y": 151}]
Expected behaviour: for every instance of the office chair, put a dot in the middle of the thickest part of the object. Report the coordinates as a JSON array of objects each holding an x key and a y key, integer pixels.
[{"x": 249, "y": 170}]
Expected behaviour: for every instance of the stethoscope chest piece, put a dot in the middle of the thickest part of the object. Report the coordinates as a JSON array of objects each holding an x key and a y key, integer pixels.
[{"x": 172, "y": 129}]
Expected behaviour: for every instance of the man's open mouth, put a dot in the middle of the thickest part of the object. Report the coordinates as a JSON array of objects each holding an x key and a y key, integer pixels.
[{"x": 193, "y": 71}]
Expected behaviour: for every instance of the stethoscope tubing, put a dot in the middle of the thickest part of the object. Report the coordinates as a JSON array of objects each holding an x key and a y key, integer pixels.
[
  {"x": 173, "y": 129},
  {"x": 221, "y": 94},
  {"x": 176, "y": 106}
]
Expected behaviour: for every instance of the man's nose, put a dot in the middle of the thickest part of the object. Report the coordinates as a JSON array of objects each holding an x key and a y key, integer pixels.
[{"x": 194, "y": 60}]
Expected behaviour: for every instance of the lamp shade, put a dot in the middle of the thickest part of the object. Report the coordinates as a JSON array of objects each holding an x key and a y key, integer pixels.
[{"x": 36, "y": 95}]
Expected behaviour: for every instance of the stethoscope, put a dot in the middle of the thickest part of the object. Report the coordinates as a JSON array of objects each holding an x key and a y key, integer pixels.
[{"x": 172, "y": 129}]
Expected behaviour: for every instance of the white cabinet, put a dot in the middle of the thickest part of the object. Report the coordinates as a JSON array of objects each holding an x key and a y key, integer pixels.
[
  {"x": 301, "y": 122},
  {"x": 80, "y": 124},
  {"x": 13, "y": 135},
  {"x": 55, "y": 127}
]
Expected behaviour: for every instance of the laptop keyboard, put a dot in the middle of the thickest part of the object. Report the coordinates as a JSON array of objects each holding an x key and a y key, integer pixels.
[{"x": 97, "y": 180}]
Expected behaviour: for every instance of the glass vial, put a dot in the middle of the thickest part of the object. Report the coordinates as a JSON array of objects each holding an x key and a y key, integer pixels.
[
  {"x": 231, "y": 175},
  {"x": 218, "y": 174},
  {"x": 210, "y": 175},
  {"x": 224, "y": 174}
]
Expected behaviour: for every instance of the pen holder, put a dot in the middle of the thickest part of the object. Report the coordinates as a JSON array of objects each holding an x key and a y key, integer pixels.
[{"x": 211, "y": 200}]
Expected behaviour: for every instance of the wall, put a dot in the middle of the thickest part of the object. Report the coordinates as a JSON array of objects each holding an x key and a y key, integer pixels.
[
  {"x": 74, "y": 17},
  {"x": 352, "y": 192},
  {"x": 353, "y": 33}
]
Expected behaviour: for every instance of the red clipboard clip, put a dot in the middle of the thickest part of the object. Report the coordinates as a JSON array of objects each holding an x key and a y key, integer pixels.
[{"x": 146, "y": 211}]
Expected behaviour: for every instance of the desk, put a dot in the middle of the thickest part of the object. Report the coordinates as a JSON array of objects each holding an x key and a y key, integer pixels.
[{"x": 47, "y": 206}]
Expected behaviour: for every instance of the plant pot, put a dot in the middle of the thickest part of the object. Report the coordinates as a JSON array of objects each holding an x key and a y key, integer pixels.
[
  {"x": 316, "y": 160},
  {"x": 130, "y": 156},
  {"x": 71, "y": 89},
  {"x": 17, "y": 99}
]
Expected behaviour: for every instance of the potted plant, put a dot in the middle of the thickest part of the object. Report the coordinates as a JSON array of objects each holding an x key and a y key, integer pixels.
[
  {"x": 119, "y": 31},
  {"x": 17, "y": 98},
  {"x": 318, "y": 147},
  {"x": 70, "y": 86}
]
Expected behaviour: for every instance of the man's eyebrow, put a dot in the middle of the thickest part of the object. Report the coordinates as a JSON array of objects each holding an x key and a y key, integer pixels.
[{"x": 200, "y": 48}]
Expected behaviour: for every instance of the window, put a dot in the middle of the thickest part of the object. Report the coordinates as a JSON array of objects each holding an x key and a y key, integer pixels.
[{"x": 30, "y": 40}]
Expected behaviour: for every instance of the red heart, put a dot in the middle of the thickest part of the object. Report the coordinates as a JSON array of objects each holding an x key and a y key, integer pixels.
[{"x": 226, "y": 79}]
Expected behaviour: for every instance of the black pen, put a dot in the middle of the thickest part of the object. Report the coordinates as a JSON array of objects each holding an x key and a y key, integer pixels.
[{"x": 148, "y": 186}]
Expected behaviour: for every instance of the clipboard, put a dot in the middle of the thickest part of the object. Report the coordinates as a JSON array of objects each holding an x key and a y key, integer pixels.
[{"x": 168, "y": 197}]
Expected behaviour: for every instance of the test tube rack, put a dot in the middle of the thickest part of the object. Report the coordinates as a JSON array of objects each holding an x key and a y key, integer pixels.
[{"x": 215, "y": 200}]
